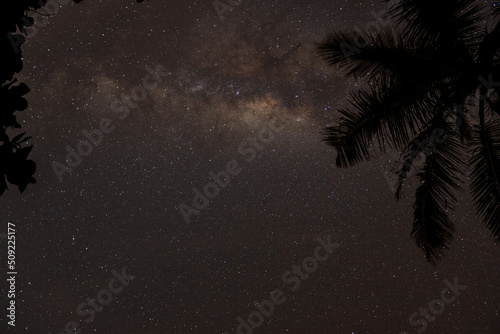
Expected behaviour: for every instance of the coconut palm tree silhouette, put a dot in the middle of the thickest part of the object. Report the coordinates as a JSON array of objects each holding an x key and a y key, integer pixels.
[{"x": 430, "y": 88}]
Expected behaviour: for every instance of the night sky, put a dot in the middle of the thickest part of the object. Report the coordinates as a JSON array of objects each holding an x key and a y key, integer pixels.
[{"x": 217, "y": 88}]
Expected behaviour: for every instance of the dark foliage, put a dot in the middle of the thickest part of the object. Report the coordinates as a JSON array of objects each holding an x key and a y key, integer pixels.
[{"x": 433, "y": 78}]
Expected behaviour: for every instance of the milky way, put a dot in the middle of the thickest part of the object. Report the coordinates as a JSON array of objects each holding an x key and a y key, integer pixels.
[{"x": 223, "y": 82}]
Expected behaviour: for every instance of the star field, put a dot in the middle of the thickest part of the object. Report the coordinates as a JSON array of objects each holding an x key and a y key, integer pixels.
[{"x": 223, "y": 83}]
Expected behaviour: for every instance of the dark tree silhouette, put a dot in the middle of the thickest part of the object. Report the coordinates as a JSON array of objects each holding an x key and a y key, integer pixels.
[
  {"x": 14, "y": 18},
  {"x": 430, "y": 88}
]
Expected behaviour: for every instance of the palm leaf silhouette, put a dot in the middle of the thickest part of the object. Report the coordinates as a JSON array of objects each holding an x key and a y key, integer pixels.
[{"x": 430, "y": 89}]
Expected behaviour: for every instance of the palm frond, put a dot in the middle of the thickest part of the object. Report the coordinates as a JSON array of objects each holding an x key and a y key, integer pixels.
[
  {"x": 358, "y": 55},
  {"x": 450, "y": 110},
  {"x": 388, "y": 113},
  {"x": 384, "y": 56},
  {"x": 485, "y": 176},
  {"x": 423, "y": 19},
  {"x": 432, "y": 228},
  {"x": 412, "y": 153}
]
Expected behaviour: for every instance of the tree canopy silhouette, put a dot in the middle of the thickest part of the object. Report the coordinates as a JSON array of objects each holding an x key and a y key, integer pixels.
[
  {"x": 431, "y": 88},
  {"x": 14, "y": 19}
]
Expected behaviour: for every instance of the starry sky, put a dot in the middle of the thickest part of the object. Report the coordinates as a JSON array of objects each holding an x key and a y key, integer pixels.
[{"x": 222, "y": 83}]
